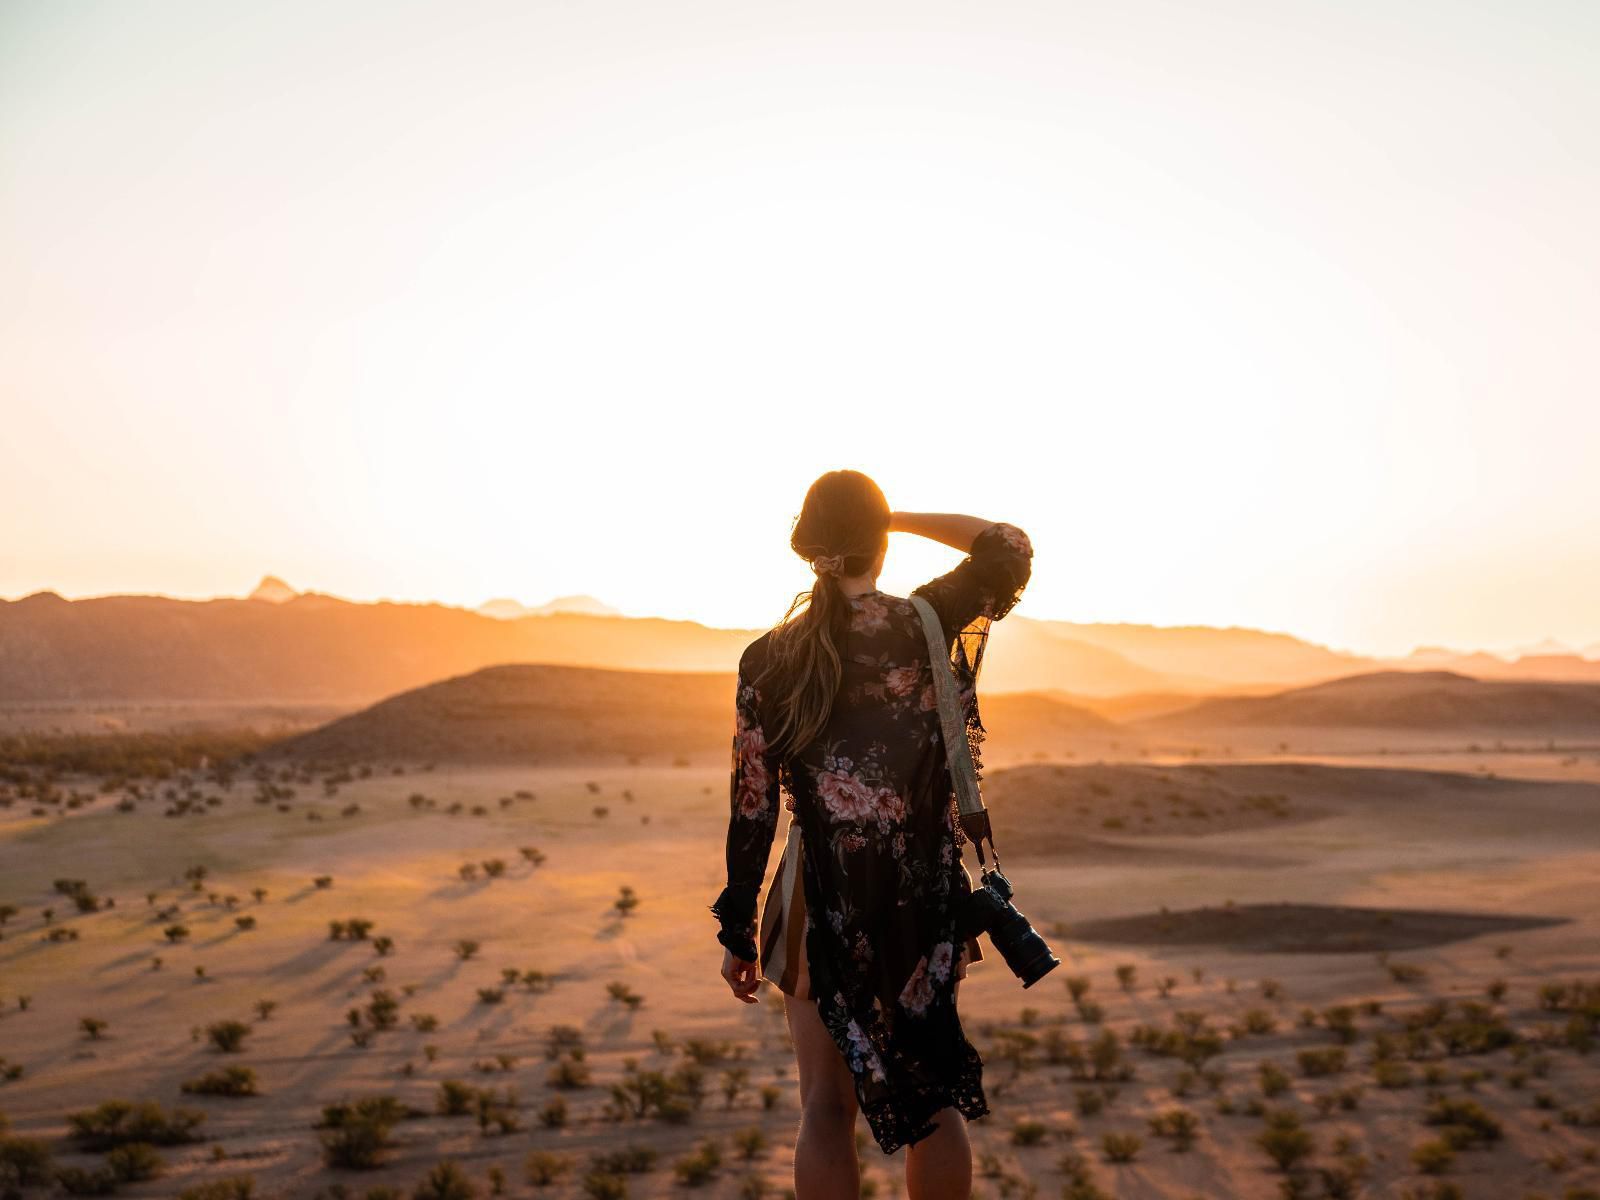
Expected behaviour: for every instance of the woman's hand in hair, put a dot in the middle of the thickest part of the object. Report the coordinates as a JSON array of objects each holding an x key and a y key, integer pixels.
[{"x": 743, "y": 977}]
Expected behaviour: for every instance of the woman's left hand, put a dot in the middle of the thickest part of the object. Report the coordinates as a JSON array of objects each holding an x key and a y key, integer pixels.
[{"x": 743, "y": 977}]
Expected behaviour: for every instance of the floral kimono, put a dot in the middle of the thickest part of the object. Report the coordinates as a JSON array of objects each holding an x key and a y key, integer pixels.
[{"x": 881, "y": 859}]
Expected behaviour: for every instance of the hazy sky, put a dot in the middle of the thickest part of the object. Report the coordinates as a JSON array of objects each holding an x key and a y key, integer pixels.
[{"x": 1273, "y": 313}]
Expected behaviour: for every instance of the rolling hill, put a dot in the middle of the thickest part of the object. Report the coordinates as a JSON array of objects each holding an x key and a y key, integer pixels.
[
  {"x": 532, "y": 712},
  {"x": 1427, "y": 700}
]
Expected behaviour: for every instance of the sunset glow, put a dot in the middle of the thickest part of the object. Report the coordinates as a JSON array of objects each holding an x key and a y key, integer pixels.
[{"x": 1281, "y": 316}]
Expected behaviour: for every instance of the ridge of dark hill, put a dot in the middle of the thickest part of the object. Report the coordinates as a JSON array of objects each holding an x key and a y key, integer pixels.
[
  {"x": 1420, "y": 700},
  {"x": 536, "y": 712},
  {"x": 540, "y": 712}
]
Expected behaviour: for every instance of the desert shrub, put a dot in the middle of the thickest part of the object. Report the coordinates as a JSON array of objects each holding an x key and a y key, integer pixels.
[
  {"x": 1274, "y": 1079},
  {"x": 466, "y": 948},
  {"x": 554, "y": 1113},
  {"x": 1406, "y": 973},
  {"x": 1462, "y": 1123},
  {"x": 1028, "y": 1132},
  {"x": 1391, "y": 1074},
  {"x": 445, "y": 1181},
  {"x": 1433, "y": 1157},
  {"x": 355, "y": 1133},
  {"x": 495, "y": 1111},
  {"x": 240, "y": 1187},
  {"x": 1320, "y": 1061},
  {"x": 79, "y": 1181},
  {"x": 323, "y": 882},
  {"x": 491, "y": 995},
  {"x": 93, "y": 1027},
  {"x": 230, "y": 1081},
  {"x": 1284, "y": 1141},
  {"x": 622, "y": 993},
  {"x": 265, "y": 1009},
  {"x": 563, "y": 1039},
  {"x": 1091, "y": 1101},
  {"x": 1341, "y": 1022},
  {"x": 630, "y": 1160},
  {"x": 135, "y": 1162},
  {"x": 569, "y": 1073},
  {"x": 1121, "y": 1147},
  {"x": 1127, "y": 975},
  {"x": 24, "y": 1162},
  {"x": 698, "y": 1168},
  {"x": 1179, "y": 1125},
  {"x": 1257, "y": 1021},
  {"x": 598, "y": 1185},
  {"x": 120, "y": 1123},
  {"x": 750, "y": 1142},
  {"x": 424, "y": 1022},
  {"x": 454, "y": 1098},
  {"x": 543, "y": 1168},
  {"x": 228, "y": 1036},
  {"x": 176, "y": 933}
]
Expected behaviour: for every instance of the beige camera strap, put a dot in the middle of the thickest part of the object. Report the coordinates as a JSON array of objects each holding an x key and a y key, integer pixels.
[{"x": 953, "y": 727}]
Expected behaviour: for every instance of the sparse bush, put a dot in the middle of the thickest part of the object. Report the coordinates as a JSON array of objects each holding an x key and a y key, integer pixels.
[
  {"x": 355, "y": 1134},
  {"x": 230, "y": 1081},
  {"x": 543, "y": 1168},
  {"x": 694, "y": 1170},
  {"x": 1121, "y": 1147},
  {"x": 445, "y": 1181},
  {"x": 93, "y": 1027},
  {"x": 1179, "y": 1125},
  {"x": 1028, "y": 1132},
  {"x": 228, "y": 1036},
  {"x": 1285, "y": 1142},
  {"x": 134, "y": 1163},
  {"x": 121, "y": 1123},
  {"x": 1433, "y": 1157}
]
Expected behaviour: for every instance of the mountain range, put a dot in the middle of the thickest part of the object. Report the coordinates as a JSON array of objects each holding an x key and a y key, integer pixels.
[{"x": 283, "y": 645}]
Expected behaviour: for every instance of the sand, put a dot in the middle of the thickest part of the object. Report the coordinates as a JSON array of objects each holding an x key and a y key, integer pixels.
[{"x": 1440, "y": 838}]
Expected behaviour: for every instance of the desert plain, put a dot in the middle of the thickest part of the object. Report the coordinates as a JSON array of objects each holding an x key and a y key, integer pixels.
[{"x": 1297, "y": 960}]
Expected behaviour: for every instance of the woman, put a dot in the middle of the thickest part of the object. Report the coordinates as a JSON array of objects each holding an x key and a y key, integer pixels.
[{"x": 836, "y": 706}]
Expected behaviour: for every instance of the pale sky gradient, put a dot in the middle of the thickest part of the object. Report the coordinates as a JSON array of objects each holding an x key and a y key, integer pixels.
[{"x": 1272, "y": 313}]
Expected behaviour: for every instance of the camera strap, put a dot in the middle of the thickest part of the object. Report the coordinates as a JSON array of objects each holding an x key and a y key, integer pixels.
[{"x": 953, "y": 727}]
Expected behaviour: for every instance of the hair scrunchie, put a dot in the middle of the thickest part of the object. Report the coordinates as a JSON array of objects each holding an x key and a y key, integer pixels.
[{"x": 828, "y": 564}]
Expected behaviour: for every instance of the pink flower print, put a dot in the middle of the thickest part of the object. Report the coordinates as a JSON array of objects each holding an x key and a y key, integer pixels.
[
  {"x": 939, "y": 962},
  {"x": 929, "y": 699},
  {"x": 869, "y": 614},
  {"x": 889, "y": 808},
  {"x": 846, "y": 797},
  {"x": 1016, "y": 539},
  {"x": 902, "y": 681},
  {"x": 861, "y": 1051},
  {"x": 918, "y": 992}
]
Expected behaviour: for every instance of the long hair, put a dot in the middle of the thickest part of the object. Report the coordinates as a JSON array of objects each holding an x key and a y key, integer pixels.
[{"x": 845, "y": 514}]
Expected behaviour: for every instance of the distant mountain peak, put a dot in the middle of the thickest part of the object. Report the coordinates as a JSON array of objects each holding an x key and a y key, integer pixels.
[
  {"x": 273, "y": 590},
  {"x": 507, "y": 609}
]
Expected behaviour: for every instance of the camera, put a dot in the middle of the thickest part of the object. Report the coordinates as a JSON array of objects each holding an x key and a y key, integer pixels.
[{"x": 989, "y": 910}]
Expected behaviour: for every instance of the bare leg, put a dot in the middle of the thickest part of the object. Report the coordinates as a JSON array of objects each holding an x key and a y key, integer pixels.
[
  {"x": 939, "y": 1167},
  {"x": 825, "y": 1164}
]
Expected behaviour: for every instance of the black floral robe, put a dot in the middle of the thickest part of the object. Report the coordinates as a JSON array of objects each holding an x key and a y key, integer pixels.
[{"x": 881, "y": 862}]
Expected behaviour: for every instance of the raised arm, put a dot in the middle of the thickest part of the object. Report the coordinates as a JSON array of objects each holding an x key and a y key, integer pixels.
[
  {"x": 953, "y": 529},
  {"x": 988, "y": 582}
]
